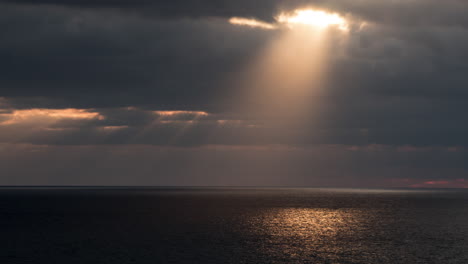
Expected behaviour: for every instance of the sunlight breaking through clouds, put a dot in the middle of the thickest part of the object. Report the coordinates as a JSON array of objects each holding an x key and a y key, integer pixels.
[
  {"x": 299, "y": 17},
  {"x": 309, "y": 17},
  {"x": 283, "y": 84}
]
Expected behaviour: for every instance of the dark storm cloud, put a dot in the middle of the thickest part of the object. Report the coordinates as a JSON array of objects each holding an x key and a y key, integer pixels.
[
  {"x": 400, "y": 12},
  {"x": 98, "y": 57},
  {"x": 88, "y": 58},
  {"x": 173, "y": 9}
]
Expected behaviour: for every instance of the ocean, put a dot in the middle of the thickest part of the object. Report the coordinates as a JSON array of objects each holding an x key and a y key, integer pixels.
[{"x": 232, "y": 225}]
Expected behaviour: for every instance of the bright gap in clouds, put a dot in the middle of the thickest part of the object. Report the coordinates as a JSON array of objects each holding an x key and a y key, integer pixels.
[
  {"x": 305, "y": 17},
  {"x": 309, "y": 17}
]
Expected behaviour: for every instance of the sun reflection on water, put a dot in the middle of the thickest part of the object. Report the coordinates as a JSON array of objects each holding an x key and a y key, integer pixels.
[
  {"x": 322, "y": 235},
  {"x": 307, "y": 222}
]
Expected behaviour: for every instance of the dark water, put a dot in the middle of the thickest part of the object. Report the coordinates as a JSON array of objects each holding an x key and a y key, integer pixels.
[{"x": 233, "y": 226}]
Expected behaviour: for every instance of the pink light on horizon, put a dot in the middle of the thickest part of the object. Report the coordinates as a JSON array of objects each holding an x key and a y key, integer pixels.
[{"x": 434, "y": 183}]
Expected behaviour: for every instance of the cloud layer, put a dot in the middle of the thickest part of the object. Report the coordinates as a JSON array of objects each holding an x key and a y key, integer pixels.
[{"x": 168, "y": 74}]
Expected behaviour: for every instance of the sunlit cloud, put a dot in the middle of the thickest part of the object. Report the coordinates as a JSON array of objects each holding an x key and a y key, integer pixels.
[
  {"x": 250, "y": 22},
  {"x": 186, "y": 122},
  {"x": 47, "y": 115},
  {"x": 112, "y": 128},
  {"x": 237, "y": 123},
  {"x": 175, "y": 114}
]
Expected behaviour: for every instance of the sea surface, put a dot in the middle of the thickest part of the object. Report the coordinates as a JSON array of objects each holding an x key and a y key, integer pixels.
[{"x": 232, "y": 225}]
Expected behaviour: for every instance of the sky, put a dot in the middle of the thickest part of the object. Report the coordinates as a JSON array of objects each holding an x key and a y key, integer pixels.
[{"x": 324, "y": 93}]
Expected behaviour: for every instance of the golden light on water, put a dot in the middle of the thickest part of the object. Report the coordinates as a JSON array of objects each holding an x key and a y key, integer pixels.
[
  {"x": 311, "y": 225},
  {"x": 305, "y": 222},
  {"x": 318, "y": 235}
]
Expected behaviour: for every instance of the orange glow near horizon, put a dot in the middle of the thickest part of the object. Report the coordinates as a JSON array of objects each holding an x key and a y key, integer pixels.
[{"x": 430, "y": 183}]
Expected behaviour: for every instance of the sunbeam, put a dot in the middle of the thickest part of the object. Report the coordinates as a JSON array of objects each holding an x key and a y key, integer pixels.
[{"x": 281, "y": 82}]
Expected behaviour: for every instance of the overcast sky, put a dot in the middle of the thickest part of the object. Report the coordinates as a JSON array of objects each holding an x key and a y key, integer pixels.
[{"x": 150, "y": 92}]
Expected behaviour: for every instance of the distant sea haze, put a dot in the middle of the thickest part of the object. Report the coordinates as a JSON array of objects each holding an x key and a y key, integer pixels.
[{"x": 233, "y": 225}]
